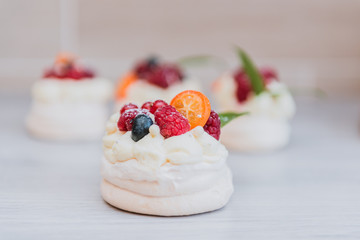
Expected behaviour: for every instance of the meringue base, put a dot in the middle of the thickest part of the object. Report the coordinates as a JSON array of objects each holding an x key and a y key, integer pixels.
[
  {"x": 255, "y": 134},
  {"x": 67, "y": 121},
  {"x": 180, "y": 205}
]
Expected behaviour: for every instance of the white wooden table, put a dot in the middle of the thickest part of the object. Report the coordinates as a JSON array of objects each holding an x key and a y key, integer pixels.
[{"x": 310, "y": 190}]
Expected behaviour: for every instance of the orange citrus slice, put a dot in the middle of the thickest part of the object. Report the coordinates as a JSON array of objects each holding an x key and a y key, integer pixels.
[
  {"x": 194, "y": 105},
  {"x": 124, "y": 84}
]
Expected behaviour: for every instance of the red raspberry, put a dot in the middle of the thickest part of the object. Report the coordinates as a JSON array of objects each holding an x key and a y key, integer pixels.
[
  {"x": 213, "y": 124},
  {"x": 171, "y": 122},
  {"x": 162, "y": 75},
  {"x": 243, "y": 85},
  {"x": 73, "y": 73},
  {"x": 127, "y": 107},
  {"x": 147, "y": 105},
  {"x": 145, "y": 67},
  {"x": 165, "y": 75},
  {"x": 126, "y": 119},
  {"x": 156, "y": 105},
  {"x": 68, "y": 71}
]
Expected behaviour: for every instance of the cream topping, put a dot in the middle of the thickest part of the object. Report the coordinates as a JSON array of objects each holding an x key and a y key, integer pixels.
[
  {"x": 156, "y": 166},
  {"x": 154, "y": 150},
  {"x": 68, "y": 90}
]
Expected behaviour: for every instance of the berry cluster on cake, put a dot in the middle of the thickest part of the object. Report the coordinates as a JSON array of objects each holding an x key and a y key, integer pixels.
[
  {"x": 151, "y": 79},
  {"x": 166, "y": 159},
  {"x": 69, "y": 102},
  {"x": 268, "y": 101}
]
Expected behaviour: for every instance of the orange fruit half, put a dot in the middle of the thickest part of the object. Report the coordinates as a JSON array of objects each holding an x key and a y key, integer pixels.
[
  {"x": 194, "y": 105},
  {"x": 124, "y": 84}
]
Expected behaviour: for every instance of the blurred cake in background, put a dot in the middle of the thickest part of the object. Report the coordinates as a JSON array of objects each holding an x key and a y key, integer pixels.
[
  {"x": 150, "y": 80},
  {"x": 69, "y": 102},
  {"x": 268, "y": 101}
]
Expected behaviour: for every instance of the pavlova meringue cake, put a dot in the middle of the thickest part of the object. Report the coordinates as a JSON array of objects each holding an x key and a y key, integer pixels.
[
  {"x": 69, "y": 102},
  {"x": 165, "y": 159},
  {"x": 150, "y": 80},
  {"x": 268, "y": 101}
]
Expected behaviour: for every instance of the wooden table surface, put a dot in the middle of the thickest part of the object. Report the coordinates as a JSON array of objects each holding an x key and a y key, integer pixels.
[{"x": 309, "y": 190}]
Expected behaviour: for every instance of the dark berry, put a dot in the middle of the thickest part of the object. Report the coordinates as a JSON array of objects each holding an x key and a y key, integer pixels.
[
  {"x": 127, "y": 107},
  {"x": 152, "y": 61},
  {"x": 147, "y": 105},
  {"x": 145, "y": 67},
  {"x": 140, "y": 126},
  {"x": 212, "y": 126},
  {"x": 165, "y": 75},
  {"x": 156, "y": 105},
  {"x": 159, "y": 74}
]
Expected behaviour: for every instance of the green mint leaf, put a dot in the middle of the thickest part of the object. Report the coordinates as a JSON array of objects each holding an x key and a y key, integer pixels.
[
  {"x": 257, "y": 83},
  {"x": 201, "y": 60},
  {"x": 227, "y": 117}
]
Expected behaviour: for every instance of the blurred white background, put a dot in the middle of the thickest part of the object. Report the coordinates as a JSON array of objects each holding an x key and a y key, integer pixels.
[{"x": 312, "y": 43}]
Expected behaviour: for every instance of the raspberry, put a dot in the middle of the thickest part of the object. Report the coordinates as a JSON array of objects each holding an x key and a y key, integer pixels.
[
  {"x": 165, "y": 75},
  {"x": 127, "y": 107},
  {"x": 73, "y": 73},
  {"x": 125, "y": 122},
  {"x": 243, "y": 85},
  {"x": 212, "y": 126},
  {"x": 171, "y": 122},
  {"x": 147, "y": 105},
  {"x": 145, "y": 67},
  {"x": 62, "y": 71},
  {"x": 156, "y": 105},
  {"x": 161, "y": 75}
]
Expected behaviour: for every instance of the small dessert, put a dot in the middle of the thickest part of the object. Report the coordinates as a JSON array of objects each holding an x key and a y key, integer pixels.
[
  {"x": 268, "y": 101},
  {"x": 166, "y": 159},
  {"x": 69, "y": 102},
  {"x": 150, "y": 80}
]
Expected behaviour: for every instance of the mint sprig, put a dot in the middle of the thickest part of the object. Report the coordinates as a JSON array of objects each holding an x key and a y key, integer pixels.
[
  {"x": 256, "y": 80},
  {"x": 227, "y": 117}
]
